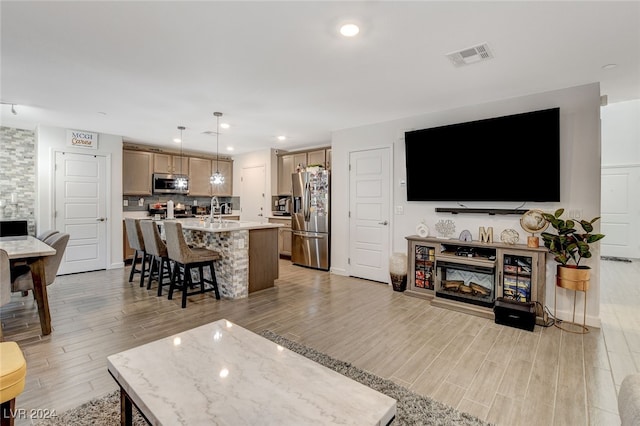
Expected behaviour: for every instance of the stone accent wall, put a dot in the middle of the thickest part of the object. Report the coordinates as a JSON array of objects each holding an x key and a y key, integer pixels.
[
  {"x": 232, "y": 270},
  {"x": 18, "y": 174}
]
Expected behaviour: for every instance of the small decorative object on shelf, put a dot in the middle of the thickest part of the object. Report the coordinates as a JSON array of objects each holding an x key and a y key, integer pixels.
[
  {"x": 422, "y": 230},
  {"x": 509, "y": 236},
  {"x": 533, "y": 221},
  {"x": 445, "y": 228},
  {"x": 486, "y": 236},
  {"x": 465, "y": 236}
]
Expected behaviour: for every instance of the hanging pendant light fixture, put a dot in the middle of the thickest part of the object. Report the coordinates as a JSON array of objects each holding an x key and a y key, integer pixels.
[
  {"x": 181, "y": 181},
  {"x": 217, "y": 178}
]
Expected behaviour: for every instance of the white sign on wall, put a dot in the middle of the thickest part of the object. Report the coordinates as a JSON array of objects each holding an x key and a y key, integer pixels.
[{"x": 82, "y": 139}]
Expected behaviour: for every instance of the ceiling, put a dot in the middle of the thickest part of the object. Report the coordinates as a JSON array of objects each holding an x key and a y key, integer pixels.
[{"x": 140, "y": 69}]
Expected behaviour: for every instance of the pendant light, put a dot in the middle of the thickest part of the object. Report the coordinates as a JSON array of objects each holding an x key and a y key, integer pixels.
[
  {"x": 181, "y": 181},
  {"x": 217, "y": 178}
]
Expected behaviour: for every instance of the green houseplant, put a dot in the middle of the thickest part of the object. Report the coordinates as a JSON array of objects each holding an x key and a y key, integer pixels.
[{"x": 569, "y": 245}]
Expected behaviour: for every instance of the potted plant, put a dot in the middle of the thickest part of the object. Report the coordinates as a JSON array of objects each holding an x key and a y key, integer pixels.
[{"x": 569, "y": 245}]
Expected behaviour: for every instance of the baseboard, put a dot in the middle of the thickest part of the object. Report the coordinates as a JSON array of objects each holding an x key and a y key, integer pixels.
[
  {"x": 591, "y": 321},
  {"x": 338, "y": 271},
  {"x": 117, "y": 265}
]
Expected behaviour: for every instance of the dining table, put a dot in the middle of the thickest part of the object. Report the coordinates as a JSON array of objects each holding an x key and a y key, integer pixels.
[{"x": 34, "y": 251}]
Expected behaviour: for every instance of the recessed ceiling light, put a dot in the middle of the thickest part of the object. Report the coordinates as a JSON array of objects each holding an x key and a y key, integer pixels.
[
  {"x": 282, "y": 138},
  {"x": 609, "y": 66},
  {"x": 224, "y": 125},
  {"x": 229, "y": 148},
  {"x": 349, "y": 30},
  {"x": 177, "y": 140}
]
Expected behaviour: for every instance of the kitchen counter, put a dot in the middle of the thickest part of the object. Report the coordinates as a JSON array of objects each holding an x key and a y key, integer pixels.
[
  {"x": 224, "y": 226},
  {"x": 249, "y": 253}
]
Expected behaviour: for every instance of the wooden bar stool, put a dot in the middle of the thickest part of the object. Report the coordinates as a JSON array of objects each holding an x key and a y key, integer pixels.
[
  {"x": 136, "y": 241},
  {"x": 185, "y": 260},
  {"x": 13, "y": 371},
  {"x": 157, "y": 249}
]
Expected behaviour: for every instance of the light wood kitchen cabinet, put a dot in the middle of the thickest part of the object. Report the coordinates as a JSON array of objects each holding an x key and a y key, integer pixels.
[
  {"x": 199, "y": 174},
  {"x": 317, "y": 157},
  {"x": 226, "y": 169},
  {"x": 200, "y": 171},
  {"x": 287, "y": 165},
  {"x": 137, "y": 169},
  {"x": 165, "y": 163},
  {"x": 284, "y": 235}
]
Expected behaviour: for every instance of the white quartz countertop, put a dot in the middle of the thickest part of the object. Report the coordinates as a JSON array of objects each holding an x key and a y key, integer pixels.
[
  {"x": 223, "y": 374},
  {"x": 224, "y": 225}
]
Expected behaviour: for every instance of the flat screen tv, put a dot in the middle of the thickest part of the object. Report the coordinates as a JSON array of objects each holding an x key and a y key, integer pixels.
[{"x": 511, "y": 158}]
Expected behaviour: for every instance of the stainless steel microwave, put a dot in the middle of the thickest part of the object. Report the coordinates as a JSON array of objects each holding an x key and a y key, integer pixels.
[{"x": 168, "y": 184}]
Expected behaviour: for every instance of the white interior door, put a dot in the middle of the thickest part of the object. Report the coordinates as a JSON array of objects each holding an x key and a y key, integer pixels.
[
  {"x": 620, "y": 212},
  {"x": 80, "y": 210},
  {"x": 252, "y": 193},
  {"x": 369, "y": 214}
]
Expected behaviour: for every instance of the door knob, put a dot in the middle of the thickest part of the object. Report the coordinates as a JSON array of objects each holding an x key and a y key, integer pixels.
[
  {"x": 383, "y": 223},
  {"x": 101, "y": 219}
]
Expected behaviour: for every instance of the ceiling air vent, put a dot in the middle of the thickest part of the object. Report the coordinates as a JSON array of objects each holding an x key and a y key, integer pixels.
[
  {"x": 470, "y": 55},
  {"x": 208, "y": 132}
]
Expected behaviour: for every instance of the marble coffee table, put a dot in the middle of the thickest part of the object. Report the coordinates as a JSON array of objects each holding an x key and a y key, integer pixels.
[{"x": 221, "y": 373}]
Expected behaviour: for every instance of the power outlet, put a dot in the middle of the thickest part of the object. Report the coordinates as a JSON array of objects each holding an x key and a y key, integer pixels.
[
  {"x": 125, "y": 203},
  {"x": 399, "y": 209}
]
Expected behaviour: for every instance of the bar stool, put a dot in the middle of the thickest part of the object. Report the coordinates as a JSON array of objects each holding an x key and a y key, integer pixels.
[
  {"x": 185, "y": 259},
  {"x": 157, "y": 249},
  {"x": 13, "y": 371},
  {"x": 134, "y": 235}
]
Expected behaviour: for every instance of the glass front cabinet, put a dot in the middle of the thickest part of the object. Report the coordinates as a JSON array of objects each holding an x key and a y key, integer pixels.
[
  {"x": 421, "y": 271},
  {"x": 519, "y": 272}
]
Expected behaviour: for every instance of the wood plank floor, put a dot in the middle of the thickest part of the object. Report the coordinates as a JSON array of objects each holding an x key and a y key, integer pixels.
[{"x": 501, "y": 374}]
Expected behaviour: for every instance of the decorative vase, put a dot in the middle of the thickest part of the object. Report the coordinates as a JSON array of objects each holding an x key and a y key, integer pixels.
[
  {"x": 573, "y": 278},
  {"x": 398, "y": 271}
]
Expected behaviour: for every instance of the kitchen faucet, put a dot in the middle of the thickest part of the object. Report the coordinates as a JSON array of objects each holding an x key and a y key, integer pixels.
[{"x": 215, "y": 204}]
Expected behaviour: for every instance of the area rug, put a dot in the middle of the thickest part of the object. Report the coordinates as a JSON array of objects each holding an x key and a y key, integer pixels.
[{"x": 412, "y": 409}]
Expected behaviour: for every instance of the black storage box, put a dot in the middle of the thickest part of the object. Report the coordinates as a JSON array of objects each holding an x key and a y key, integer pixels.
[{"x": 515, "y": 314}]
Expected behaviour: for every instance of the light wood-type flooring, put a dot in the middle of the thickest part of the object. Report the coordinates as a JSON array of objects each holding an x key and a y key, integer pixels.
[{"x": 501, "y": 374}]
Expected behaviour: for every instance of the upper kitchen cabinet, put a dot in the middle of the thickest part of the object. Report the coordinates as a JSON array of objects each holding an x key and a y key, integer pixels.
[
  {"x": 165, "y": 163},
  {"x": 287, "y": 165},
  {"x": 226, "y": 169},
  {"x": 201, "y": 169},
  {"x": 289, "y": 162},
  {"x": 316, "y": 157},
  {"x": 199, "y": 174},
  {"x": 137, "y": 169}
]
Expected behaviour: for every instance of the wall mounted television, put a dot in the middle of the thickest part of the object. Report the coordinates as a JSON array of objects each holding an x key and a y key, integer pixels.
[{"x": 510, "y": 158}]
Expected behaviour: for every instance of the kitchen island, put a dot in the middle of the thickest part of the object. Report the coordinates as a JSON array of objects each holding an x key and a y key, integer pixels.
[{"x": 249, "y": 252}]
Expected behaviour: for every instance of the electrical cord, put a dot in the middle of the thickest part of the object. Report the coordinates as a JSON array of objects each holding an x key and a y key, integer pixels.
[{"x": 547, "y": 317}]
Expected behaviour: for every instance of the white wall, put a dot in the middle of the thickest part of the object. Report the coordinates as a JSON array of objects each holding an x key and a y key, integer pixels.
[
  {"x": 621, "y": 134},
  {"x": 52, "y": 139},
  {"x": 266, "y": 158},
  {"x": 621, "y": 179},
  {"x": 580, "y": 177}
]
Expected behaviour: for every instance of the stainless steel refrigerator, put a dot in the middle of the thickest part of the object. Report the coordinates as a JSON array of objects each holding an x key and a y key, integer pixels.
[{"x": 310, "y": 219}]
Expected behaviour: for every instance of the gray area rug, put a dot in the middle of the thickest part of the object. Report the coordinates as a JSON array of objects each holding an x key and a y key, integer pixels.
[{"x": 412, "y": 409}]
